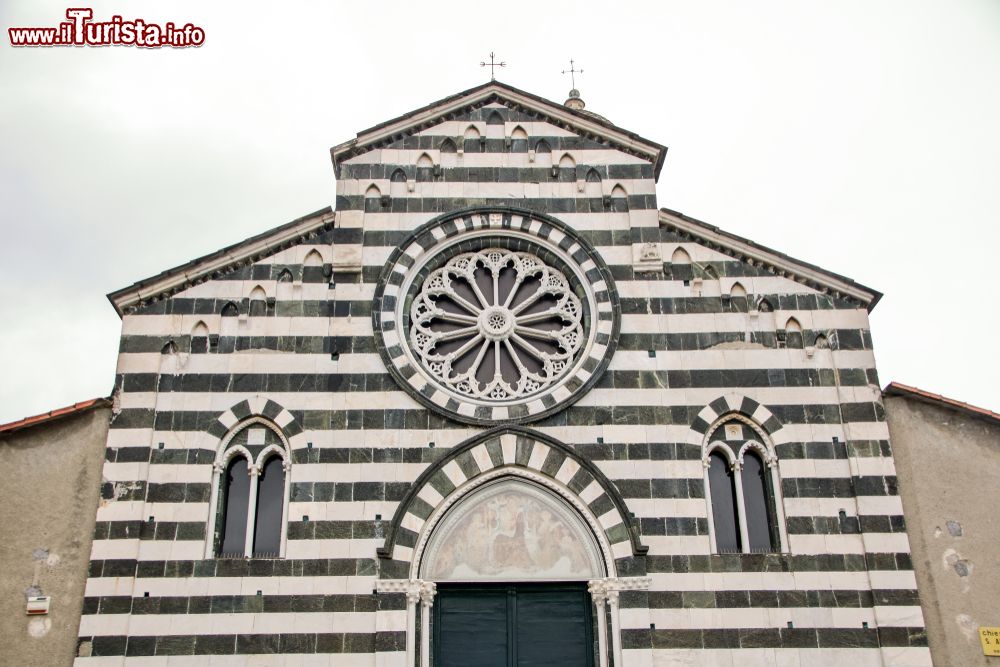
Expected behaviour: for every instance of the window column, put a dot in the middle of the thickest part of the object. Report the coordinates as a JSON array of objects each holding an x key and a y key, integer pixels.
[
  {"x": 607, "y": 591},
  {"x": 741, "y": 507},
  {"x": 427, "y": 592},
  {"x": 218, "y": 470},
  {"x": 416, "y": 591},
  {"x": 616, "y": 626},
  {"x": 254, "y": 473},
  {"x": 412, "y": 598},
  {"x": 598, "y": 591},
  {"x": 713, "y": 545}
]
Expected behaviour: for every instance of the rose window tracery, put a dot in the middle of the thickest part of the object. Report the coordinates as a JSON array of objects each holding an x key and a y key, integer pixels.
[{"x": 496, "y": 324}]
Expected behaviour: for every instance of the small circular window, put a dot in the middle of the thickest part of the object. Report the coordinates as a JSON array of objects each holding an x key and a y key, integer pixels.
[{"x": 495, "y": 316}]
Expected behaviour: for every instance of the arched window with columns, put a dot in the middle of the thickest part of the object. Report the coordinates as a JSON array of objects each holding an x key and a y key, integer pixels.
[
  {"x": 743, "y": 488},
  {"x": 248, "y": 508}
]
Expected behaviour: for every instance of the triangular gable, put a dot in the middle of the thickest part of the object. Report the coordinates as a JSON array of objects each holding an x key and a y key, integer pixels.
[
  {"x": 253, "y": 249},
  {"x": 590, "y": 126},
  {"x": 586, "y": 124},
  {"x": 779, "y": 263}
]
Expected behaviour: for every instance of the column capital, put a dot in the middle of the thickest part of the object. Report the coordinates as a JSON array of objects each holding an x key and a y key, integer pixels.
[
  {"x": 613, "y": 598},
  {"x": 428, "y": 589},
  {"x": 598, "y": 589}
]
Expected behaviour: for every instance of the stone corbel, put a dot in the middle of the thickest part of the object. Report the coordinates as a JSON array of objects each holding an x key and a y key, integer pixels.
[
  {"x": 647, "y": 257},
  {"x": 346, "y": 258}
]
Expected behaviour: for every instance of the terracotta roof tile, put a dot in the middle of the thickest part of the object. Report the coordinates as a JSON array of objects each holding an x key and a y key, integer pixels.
[
  {"x": 52, "y": 415},
  {"x": 900, "y": 389}
]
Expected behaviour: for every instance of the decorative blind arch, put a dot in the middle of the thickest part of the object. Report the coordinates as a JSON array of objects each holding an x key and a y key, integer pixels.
[{"x": 513, "y": 452}]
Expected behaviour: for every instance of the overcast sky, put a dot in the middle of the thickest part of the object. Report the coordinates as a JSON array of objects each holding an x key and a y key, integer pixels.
[{"x": 862, "y": 136}]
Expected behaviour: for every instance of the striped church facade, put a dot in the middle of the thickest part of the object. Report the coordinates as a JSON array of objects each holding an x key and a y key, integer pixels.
[{"x": 711, "y": 338}]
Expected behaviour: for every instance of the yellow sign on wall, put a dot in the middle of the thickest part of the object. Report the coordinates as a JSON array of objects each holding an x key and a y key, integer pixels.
[{"x": 990, "y": 639}]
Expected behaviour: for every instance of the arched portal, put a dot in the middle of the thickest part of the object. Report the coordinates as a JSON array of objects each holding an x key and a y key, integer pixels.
[
  {"x": 511, "y": 544},
  {"x": 510, "y": 562}
]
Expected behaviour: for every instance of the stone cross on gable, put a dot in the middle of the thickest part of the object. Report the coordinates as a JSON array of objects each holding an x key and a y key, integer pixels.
[
  {"x": 572, "y": 72},
  {"x": 492, "y": 65}
]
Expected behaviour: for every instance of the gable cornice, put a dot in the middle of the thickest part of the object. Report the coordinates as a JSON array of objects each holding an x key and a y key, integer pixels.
[
  {"x": 221, "y": 262},
  {"x": 446, "y": 109},
  {"x": 776, "y": 262}
]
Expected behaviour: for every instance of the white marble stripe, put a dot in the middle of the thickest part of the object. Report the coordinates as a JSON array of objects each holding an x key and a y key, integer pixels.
[
  {"x": 237, "y": 289},
  {"x": 867, "y": 505},
  {"x": 270, "y": 362},
  {"x": 482, "y": 458},
  {"x": 538, "y": 454},
  {"x": 893, "y": 579},
  {"x": 641, "y": 507},
  {"x": 757, "y": 617},
  {"x": 292, "y": 660},
  {"x": 362, "y": 326},
  {"x": 761, "y": 581},
  {"x": 223, "y": 624},
  {"x": 398, "y": 399},
  {"x": 792, "y": 657},
  {"x": 585, "y": 434},
  {"x": 201, "y": 586},
  {"x": 405, "y": 156},
  {"x": 407, "y": 222}
]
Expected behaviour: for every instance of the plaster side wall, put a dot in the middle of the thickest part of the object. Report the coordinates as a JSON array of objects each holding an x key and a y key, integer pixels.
[
  {"x": 52, "y": 480},
  {"x": 947, "y": 464},
  {"x": 845, "y": 593}
]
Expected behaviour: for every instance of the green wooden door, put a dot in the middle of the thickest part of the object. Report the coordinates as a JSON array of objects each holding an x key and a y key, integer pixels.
[{"x": 512, "y": 625}]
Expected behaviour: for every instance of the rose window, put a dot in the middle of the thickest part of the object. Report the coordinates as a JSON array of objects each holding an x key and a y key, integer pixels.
[{"x": 496, "y": 324}]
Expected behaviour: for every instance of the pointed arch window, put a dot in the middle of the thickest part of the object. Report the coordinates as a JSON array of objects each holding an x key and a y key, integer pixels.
[
  {"x": 373, "y": 199},
  {"x": 267, "y": 519},
  {"x": 232, "y": 542},
  {"x": 471, "y": 140},
  {"x": 258, "y": 302},
  {"x": 758, "y": 501},
  {"x": 722, "y": 483},
  {"x": 543, "y": 156},
  {"x": 619, "y": 200},
  {"x": 567, "y": 169},
  {"x": 518, "y": 140},
  {"x": 793, "y": 334},
  {"x": 593, "y": 187},
  {"x": 743, "y": 491},
  {"x": 248, "y": 507},
  {"x": 199, "y": 339}
]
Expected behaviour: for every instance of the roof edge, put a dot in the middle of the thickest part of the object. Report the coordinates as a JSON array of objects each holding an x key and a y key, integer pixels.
[
  {"x": 54, "y": 415},
  {"x": 198, "y": 270},
  {"x": 782, "y": 264},
  {"x": 432, "y": 114},
  {"x": 906, "y": 391}
]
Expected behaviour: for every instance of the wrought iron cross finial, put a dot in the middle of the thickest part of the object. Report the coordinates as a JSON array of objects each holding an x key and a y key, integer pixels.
[
  {"x": 491, "y": 64},
  {"x": 572, "y": 72}
]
